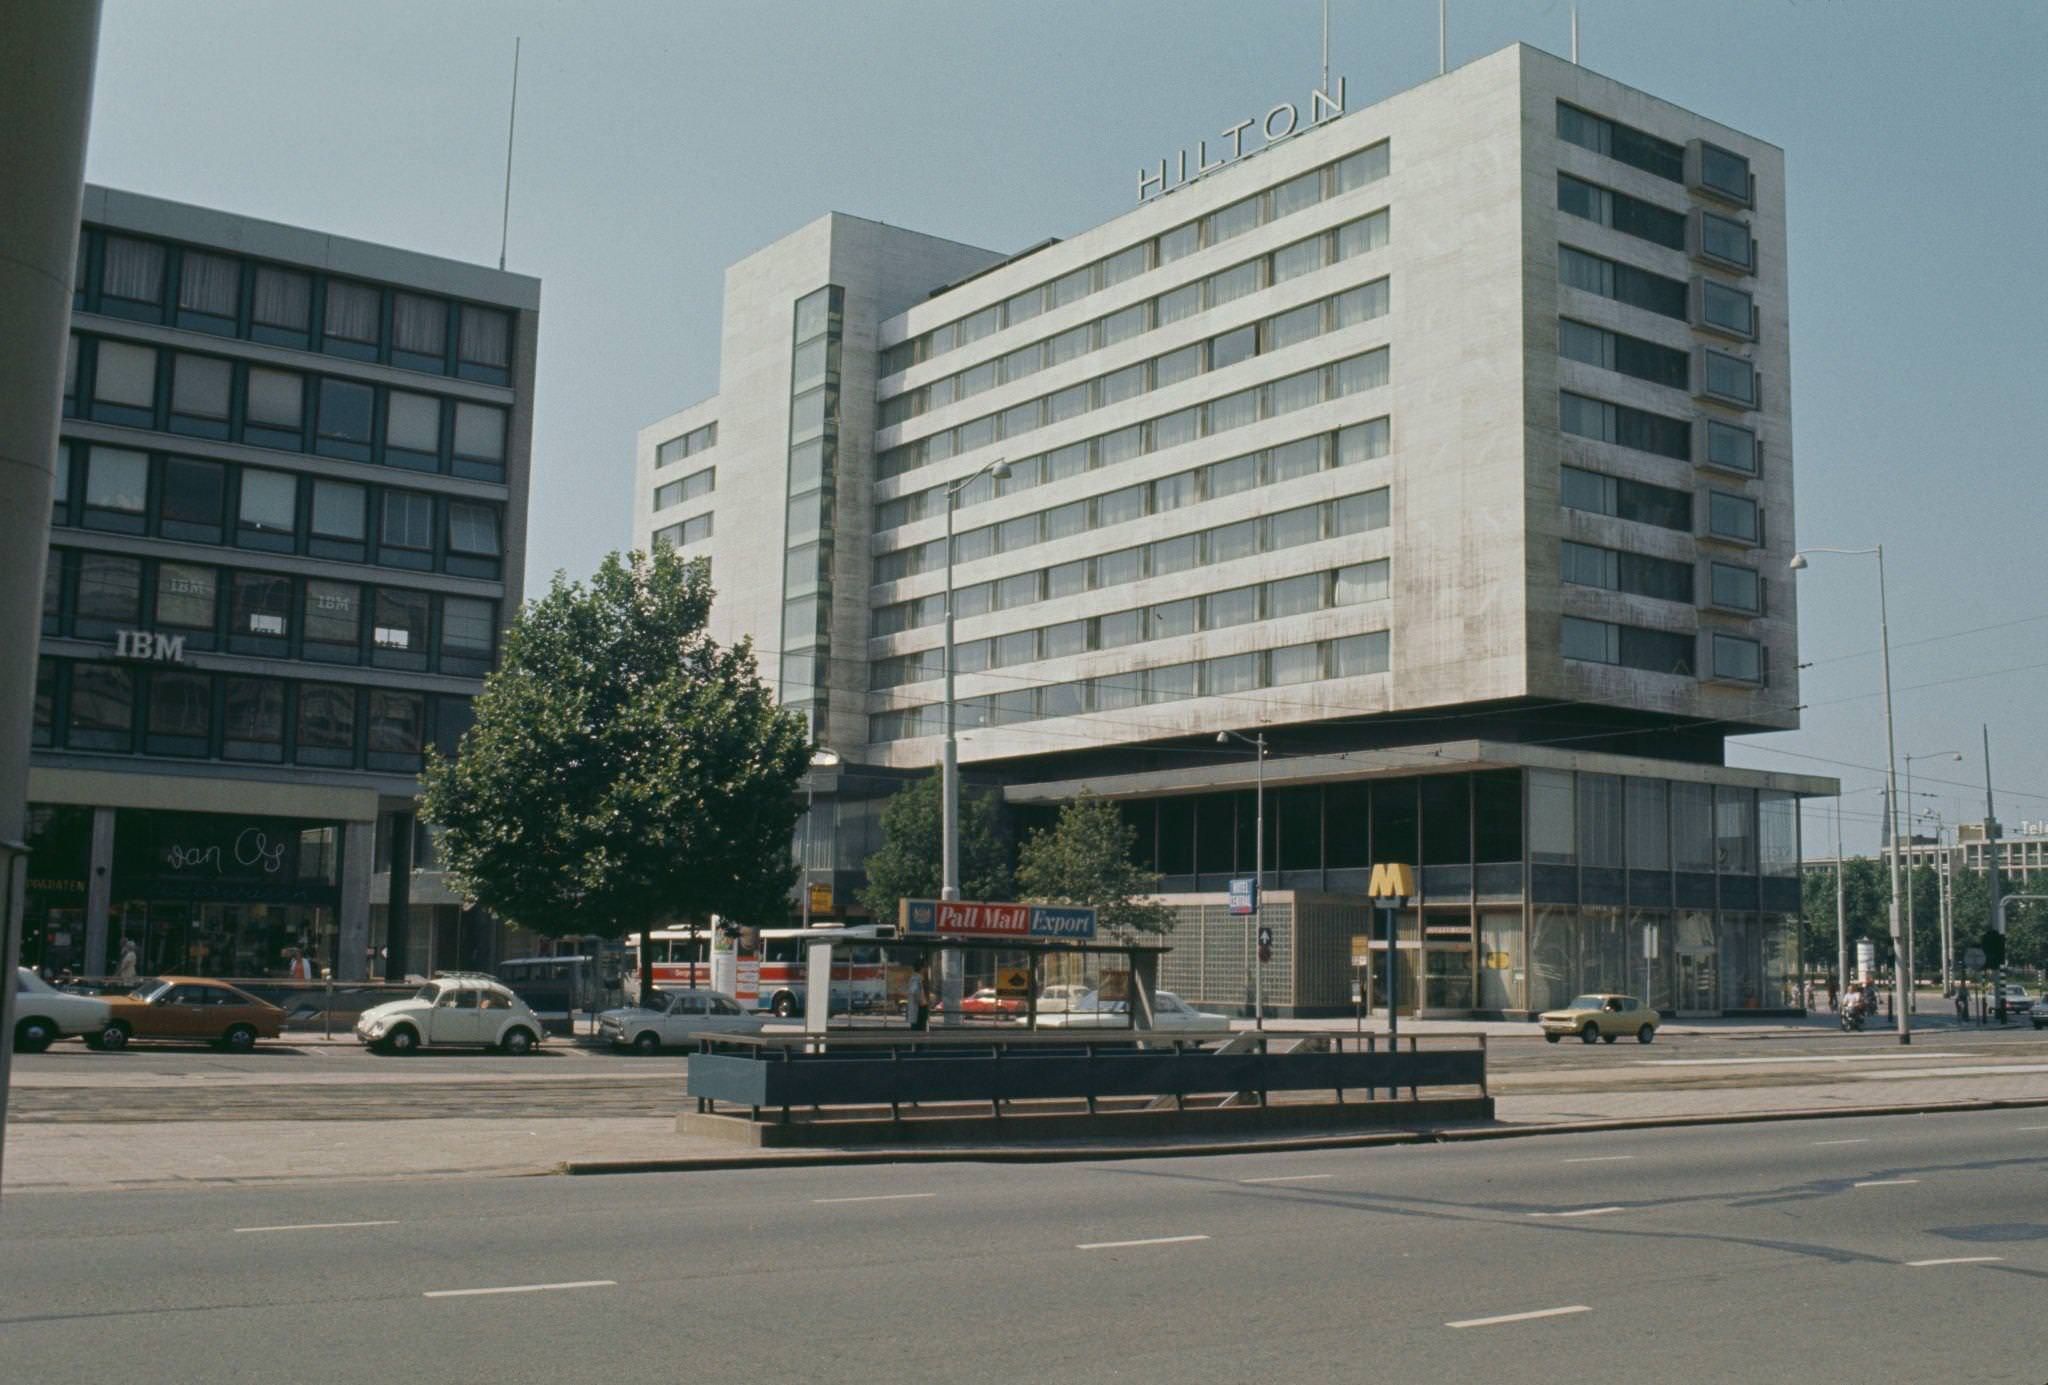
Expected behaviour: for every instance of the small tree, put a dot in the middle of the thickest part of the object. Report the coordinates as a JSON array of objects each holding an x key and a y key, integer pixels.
[
  {"x": 1086, "y": 858},
  {"x": 624, "y": 769},
  {"x": 909, "y": 863}
]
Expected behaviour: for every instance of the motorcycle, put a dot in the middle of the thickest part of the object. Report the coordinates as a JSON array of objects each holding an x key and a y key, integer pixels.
[{"x": 1852, "y": 1017}]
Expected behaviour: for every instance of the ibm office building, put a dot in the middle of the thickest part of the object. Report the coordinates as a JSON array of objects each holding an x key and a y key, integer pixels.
[
  {"x": 289, "y": 525},
  {"x": 1444, "y": 444}
]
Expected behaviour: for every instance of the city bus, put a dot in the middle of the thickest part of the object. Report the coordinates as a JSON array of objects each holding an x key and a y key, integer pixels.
[{"x": 764, "y": 968}]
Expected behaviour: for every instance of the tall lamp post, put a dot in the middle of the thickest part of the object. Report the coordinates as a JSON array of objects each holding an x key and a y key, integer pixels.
[
  {"x": 821, "y": 758},
  {"x": 949, "y": 766},
  {"x": 1902, "y": 943},
  {"x": 1257, "y": 743},
  {"x": 1911, "y": 838}
]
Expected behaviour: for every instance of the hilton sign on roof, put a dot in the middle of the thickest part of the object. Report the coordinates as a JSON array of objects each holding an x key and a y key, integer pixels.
[{"x": 1281, "y": 122}]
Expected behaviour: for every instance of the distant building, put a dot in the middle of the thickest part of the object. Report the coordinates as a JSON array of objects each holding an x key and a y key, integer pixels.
[
  {"x": 290, "y": 522},
  {"x": 2020, "y": 851}
]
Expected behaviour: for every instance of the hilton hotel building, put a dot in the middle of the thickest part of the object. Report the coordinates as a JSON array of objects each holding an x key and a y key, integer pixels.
[
  {"x": 289, "y": 523},
  {"x": 1444, "y": 444}
]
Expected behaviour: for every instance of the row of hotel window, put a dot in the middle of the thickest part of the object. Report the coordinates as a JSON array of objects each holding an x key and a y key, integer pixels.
[
  {"x": 1310, "y": 320},
  {"x": 1721, "y": 240},
  {"x": 1270, "y": 466},
  {"x": 97, "y": 596},
  {"x": 1704, "y": 303},
  {"x": 198, "y": 501},
  {"x": 1352, "y": 656},
  {"x": 1722, "y": 377},
  {"x": 1729, "y": 657},
  {"x": 693, "y": 530},
  {"x": 140, "y": 386},
  {"x": 1728, "y": 446},
  {"x": 688, "y": 445},
  {"x": 126, "y": 710},
  {"x": 1296, "y": 194},
  {"x": 1730, "y": 518},
  {"x": 691, "y": 487},
  {"x": 1291, "y": 528},
  {"x": 1702, "y": 167},
  {"x": 1729, "y": 586},
  {"x": 1225, "y": 286},
  {"x": 1165, "y": 620},
  {"x": 205, "y": 291}
]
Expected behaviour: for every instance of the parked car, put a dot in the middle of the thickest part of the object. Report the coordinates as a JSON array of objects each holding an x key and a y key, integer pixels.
[
  {"x": 1053, "y": 1000},
  {"x": 1603, "y": 1016},
  {"x": 1169, "y": 1011},
  {"x": 987, "y": 1005},
  {"x": 188, "y": 1007},
  {"x": 452, "y": 1011},
  {"x": 2039, "y": 1014},
  {"x": 2016, "y": 997},
  {"x": 675, "y": 1016},
  {"x": 43, "y": 1014}
]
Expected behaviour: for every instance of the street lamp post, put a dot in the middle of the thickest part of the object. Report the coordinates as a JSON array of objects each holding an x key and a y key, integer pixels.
[
  {"x": 949, "y": 766},
  {"x": 1258, "y": 743},
  {"x": 1902, "y": 944},
  {"x": 1912, "y": 838},
  {"x": 821, "y": 758}
]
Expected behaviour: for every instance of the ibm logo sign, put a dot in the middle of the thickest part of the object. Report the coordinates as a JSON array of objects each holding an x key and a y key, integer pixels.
[{"x": 143, "y": 644}]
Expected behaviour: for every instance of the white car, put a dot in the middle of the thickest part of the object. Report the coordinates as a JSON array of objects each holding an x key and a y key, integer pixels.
[
  {"x": 1169, "y": 1012},
  {"x": 448, "y": 1011},
  {"x": 1057, "y": 1000},
  {"x": 43, "y": 1014},
  {"x": 673, "y": 1018},
  {"x": 2016, "y": 997},
  {"x": 2039, "y": 1014}
]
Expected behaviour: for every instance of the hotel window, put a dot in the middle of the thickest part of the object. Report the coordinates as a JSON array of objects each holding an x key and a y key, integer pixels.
[
  {"x": 468, "y": 634},
  {"x": 1366, "y": 166},
  {"x": 398, "y": 629},
  {"x": 1638, "y": 501},
  {"x": 109, "y": 594},
  {"x": 276, "y": 401},
  {"x": 1233, "y": 673},
  {"x": 1728, "y": 240},
  {"x": 210, "y": 285},
  {"x": 397, "y": 728},
  {"x": 125, "y": 376},
  {"x": 269, "y": 510},
  {"x": 1021, "y": 308},
  {"x": 1365, "y": 234},
  {"x": 1726, "y": 309},
  {"x": 1230, "y": 285},
  {"x": 345, "y": 412},
  {"x": 340, "y": 516},
  {"x": 670, "y": 494},
  {"x": 486, "y": 337},
  {"x": 180, "y": 714},
  {"x": 253, "y": 728},
  {"x": 473, "y": 532},
  {"x": 201, "y": 387},
  {"x": 1734, "y": 517},
  {"x": 116, "y": 489},
  {"x": 1357, "y": 655},
  {"x": 1638, "y": 288},
  {"x": 1625, "y": 427},
  {"x": 1621, "y": 143},
  {"x": 1731, "y": 378},
  {"x": 352, "y": 311},
  {"x": 1229, "y": 542},
  {"x": 1293, "y": 596},
  {"x": 283, "y": 300},
  {"x": 408, "y": 522},
  {"x": 1294, "y": 195},
  {"x": 133, "y": 271},
  {"x": 1623, "y": 354},
  {"x": 694, "y": 530},
  {"x": 1731, "y": 447},
  {"x": 1621, "y": 212},
  {"x": 419, "y": 327},
  {"x": 102, "y": 707},
  {"x": 412, "y": 424},
  {"x": 1302, "y": 257},
  {"x": 259, "y": 610},
  {"x": 1735, "y": 588},
  {"x": 1723, "y": 173},
  {"x": 1736, "y": 658},
  {"x": 193, "y": 499},
  {"x": 326, "y": 725},
  {"x": 1586, "y": 566},
  {"x": 1362, "y": 582},
  {"x": 333, "y": 621},
  {"x": 187, "y": 596}
]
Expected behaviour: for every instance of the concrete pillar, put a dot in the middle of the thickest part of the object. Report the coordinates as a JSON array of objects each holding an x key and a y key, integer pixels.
[
  {"x": 99, "y": 893},
  {"x": 352, "y": 935}
]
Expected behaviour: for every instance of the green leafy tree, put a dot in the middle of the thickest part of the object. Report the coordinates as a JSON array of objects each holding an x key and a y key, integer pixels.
[
  {"x": 1086, "y": 858},
  {"x": 909, "y": 863},
  {"x": 625, "y": 769}
]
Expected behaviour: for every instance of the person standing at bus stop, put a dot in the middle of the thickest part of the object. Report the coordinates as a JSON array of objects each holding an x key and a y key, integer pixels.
[{"x": 913, "y": 1000}]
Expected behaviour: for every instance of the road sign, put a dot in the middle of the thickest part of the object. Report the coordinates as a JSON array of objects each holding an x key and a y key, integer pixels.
[
  {"x": 960, "y": 919},
  {"x": 1974, "y": 959},
  {"x": 821, "y": 897},
  {"x": 1244, "y": 895},
  {"x": 1650, "y": 941},
  {"x": 1013, "y": 981},
  {"x": 1265, "y": 936},
  {"x": 1361, "y": 949}
]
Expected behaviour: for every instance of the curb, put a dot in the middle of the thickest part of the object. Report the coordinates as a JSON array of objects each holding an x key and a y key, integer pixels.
[{"x": 1066, "y": 1154}]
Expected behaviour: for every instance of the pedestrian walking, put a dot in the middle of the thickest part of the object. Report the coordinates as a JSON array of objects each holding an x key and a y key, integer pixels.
[
  {"x": 124, "y": 970},
  {"x": 1962, "y": 1002},
  {"x": 913, "y": 1001},
  {"x": 1834, "y": 994}
]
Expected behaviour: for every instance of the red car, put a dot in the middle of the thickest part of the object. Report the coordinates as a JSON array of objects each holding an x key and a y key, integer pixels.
[{"x": 986, "y": 1004}]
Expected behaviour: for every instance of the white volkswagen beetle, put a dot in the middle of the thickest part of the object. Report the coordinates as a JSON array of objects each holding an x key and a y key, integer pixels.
[
  {"x": 452, "y": 1010},
  {"x": 673, "y": 1018},
  {"x": 43, "y": 1014}
]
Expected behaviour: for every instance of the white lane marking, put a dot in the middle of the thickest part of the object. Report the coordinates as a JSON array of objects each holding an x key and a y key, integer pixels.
[
  {"x": 2022, "y": 1128},
  {"x": 1148, "y": 1241},
  {"x": 524, "y": 1288},
  {"x": 1955, "y": 1260},
  {"x": 1579, "y": 1212},
  {"x": 1973, "y": 1070},
  {"x": 1822, "y": 1144},
  {"x": 1521, "y": 1317},
  {"x": 1289, "y": 1178},
  {"x": 1886, "y": 1182},
  {"x": 313, "y": 1226},
  {"x": 874, "y": 1197},
  {"x": 1788, "y": 1059},
  {"x": 1600, "y": 1159}
]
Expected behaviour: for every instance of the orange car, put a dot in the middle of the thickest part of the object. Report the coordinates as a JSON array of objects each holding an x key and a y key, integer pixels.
[{"x": 191, "y": 1008}]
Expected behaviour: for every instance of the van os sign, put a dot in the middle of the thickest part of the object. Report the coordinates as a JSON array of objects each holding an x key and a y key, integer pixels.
[{"x": 1281, "y": 122}]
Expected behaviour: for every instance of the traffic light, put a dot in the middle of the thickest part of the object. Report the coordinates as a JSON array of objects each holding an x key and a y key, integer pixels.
[{"x": 1993, "y": 943}]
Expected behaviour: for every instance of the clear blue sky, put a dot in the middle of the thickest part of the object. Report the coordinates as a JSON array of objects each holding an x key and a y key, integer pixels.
[{"x": 660, "y": 141}]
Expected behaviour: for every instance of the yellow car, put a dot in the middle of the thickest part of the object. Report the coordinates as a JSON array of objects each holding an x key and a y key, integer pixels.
[{"x": 1601, "y": 1016}]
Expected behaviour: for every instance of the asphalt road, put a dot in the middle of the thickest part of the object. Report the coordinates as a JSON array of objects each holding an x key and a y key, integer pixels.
[{"x": 1857, "y": 1250}]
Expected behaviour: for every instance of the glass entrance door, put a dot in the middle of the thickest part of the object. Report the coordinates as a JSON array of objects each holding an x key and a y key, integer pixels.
[
  {"x": 1699, "y": 984},
  {"x": 1410, "y": 986}
]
